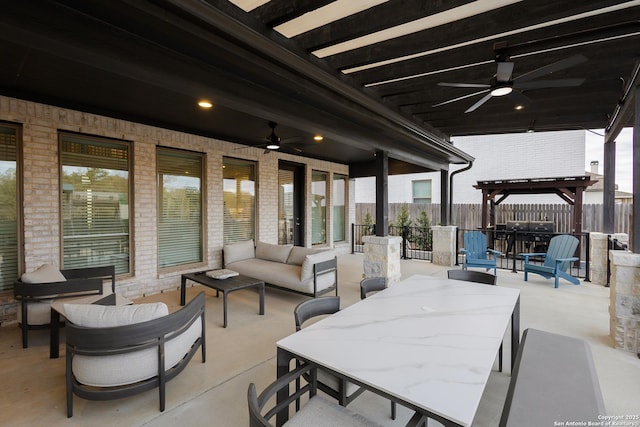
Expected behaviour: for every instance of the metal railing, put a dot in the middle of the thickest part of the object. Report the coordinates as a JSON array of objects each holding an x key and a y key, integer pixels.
[{"x": 417, "y": 242}]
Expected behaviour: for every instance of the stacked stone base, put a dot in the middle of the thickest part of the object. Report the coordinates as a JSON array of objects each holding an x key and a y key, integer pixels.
[
  {"x": 624, "y": 308},
  {"x": 382, "y": 257}
]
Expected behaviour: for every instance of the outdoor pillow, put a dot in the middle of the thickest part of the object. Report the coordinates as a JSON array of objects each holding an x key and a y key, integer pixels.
[
  {"x": 270, "y": 252},
  {"x": 46, "y": 273},
  {"x": 298, "y": 254},
  {"x": 310, "y": 260},
  {"x": 238, "y": 251}
]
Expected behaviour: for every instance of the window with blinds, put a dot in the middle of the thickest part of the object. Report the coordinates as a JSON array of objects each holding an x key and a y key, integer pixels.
[
  {"x": 339, "y": 198},
  {"x": 239, "y": 192},
  {"x": 180, "y": 208},
  {"x": 421, "y": 191},
  {"x": 318, "y": 207},
  {"x": 95, "y": 202},
  {"x": 9, "y": 249}
]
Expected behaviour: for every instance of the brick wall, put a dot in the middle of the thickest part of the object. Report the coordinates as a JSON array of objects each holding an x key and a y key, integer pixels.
[{"x": 41, "y": 202}]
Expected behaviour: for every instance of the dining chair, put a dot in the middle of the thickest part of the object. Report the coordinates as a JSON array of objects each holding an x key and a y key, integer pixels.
[
  {"x": 477, "y": 277},
  {"x": 375, "y": 284},
  {"x": 335, "y": 387},
  {"x": 372, "y": 284}
]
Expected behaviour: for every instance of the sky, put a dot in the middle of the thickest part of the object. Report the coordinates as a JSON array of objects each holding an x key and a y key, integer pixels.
[{"x": 594, "y": 150}]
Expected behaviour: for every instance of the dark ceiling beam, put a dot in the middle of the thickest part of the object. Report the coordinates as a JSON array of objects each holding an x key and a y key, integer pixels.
[
  {"x": 488, "y": 24},
  {"x": 276, "y": 12},
  {"x": 377, "y": 18}
]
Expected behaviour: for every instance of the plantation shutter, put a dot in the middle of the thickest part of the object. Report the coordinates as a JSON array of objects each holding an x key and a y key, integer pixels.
[
  {"x": 180, "y": 227},
  {"x": 239, "y": 200},
  {"x": 95, "y": 203},
  {"x": 8, "y": 207}
]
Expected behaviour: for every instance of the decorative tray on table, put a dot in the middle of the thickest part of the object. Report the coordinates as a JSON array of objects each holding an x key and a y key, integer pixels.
[{"x": 222, "y": 274}]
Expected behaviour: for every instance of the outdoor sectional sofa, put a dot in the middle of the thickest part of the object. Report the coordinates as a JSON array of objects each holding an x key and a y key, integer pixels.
[{"x": 306, "y": 271}]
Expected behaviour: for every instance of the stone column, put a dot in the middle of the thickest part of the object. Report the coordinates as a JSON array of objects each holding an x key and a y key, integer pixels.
[
  {"x": 444, "y": 245},
  {"x": 599, "y": 252},
  {"x": 598, "y": 256},
  {"x": 624, "y": 308},
  {"x": 382, "y": 257}
]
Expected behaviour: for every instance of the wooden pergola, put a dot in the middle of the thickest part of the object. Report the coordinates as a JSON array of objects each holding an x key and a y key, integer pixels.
[{"x": 569, "y": 189}]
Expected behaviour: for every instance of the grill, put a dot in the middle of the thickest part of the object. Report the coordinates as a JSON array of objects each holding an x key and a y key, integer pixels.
[{"x": 538, "y": 233}]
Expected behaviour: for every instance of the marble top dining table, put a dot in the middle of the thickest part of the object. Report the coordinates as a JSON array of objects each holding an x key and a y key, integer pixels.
[{"x": 428, "y": 343}]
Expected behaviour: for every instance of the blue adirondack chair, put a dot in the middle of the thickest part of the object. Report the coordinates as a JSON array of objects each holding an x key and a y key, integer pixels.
[
  {"x": 556, "y": 260},
  {"x": 476, "y": 252}
]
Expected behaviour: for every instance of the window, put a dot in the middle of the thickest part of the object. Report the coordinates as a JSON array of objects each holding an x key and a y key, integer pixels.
[
  {"x": 239, "y": 192},
  {"x": 9, "y": 254},
  {"x": 421, "y": 191},
  {"x": 318, "y": 207},
  {"x": 180, "y": 228},
  {"x": 95, "y": 202},
  {"x": 339, "y": 196}
]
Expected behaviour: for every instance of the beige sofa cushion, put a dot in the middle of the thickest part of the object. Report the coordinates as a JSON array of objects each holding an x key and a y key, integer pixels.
[
  {"x": 310, "y": 260},
  {"x": 46, "y": 273},
  {"x": 128, "y": 368},
  {"x": 298, "y": 254},
  {"x": 270, "y": 252},
  {"x": 238, "y": 251}
]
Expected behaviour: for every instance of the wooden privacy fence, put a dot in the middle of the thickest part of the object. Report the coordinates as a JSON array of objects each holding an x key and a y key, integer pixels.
[{"x": 469, "y": 216}]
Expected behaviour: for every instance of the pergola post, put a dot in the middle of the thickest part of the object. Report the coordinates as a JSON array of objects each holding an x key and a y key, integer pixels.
[
  {"x": 609, "y": 188},
  {"x": 382, "y": 193}
]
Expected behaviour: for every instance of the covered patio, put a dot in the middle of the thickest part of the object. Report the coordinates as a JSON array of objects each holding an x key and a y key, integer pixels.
[{"x": 214, "y": 393}]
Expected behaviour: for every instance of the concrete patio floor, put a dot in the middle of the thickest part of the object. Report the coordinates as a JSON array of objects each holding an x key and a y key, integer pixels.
[{"x": 214, "y": 393}]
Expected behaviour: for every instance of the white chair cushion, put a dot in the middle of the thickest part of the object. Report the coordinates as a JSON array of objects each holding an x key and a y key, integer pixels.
[
  {"x": 46, "y": 273},
  {"x": 319, "y": 412},
  {"x": 109, "y": 371},
  {"x": 238, "y": 251},
  {"x": 270, "y": 252},
  {"x": 103, "y": 316}
]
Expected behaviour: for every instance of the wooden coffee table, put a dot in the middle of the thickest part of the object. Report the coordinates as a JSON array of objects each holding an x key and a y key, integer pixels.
[{"x": 226, "y": 286}]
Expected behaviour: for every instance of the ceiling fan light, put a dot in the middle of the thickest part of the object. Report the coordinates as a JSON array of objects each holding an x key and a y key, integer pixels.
[
  {"x": 501, "y": 91},
  {"x": 273, "y": 147},
  {"x": 205, "y": 104}
]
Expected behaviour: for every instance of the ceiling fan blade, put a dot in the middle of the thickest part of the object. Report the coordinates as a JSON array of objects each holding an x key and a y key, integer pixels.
[
  {"x": 478, "y": 85},
  {"x": 479, "y": 103},
  {"x": 504, "y": 71},
  {"x": 551, "y": 68},
  {"x": 291, "y": 140},
  {"x": 460, "y": 97},
  {"x": 542, "y": 84}
]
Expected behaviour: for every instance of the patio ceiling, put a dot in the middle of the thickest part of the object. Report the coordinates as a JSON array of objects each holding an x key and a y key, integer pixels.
[{"x": 364, "y": 74}]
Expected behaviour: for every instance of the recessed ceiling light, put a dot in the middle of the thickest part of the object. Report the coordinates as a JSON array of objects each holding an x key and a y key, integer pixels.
[
  {"x": 519, "y": 107},
  {"x": 318, "y": 138},
  {"x": 205, "y": 104}
]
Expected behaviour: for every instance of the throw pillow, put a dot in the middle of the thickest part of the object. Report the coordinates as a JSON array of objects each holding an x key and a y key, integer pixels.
[
  {"x": 238, "y": 251},
  {"x": 46, "y": 273},
  {"x": 270, "y": 252},
  {"x": 310, "y": 260},
  {"x": 298, "y": 254}
]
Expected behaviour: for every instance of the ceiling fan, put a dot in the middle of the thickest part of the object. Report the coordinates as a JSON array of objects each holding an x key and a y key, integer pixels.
[
  {"x": 274, "y": 142},
  {"x": 502, "y": 83}
]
